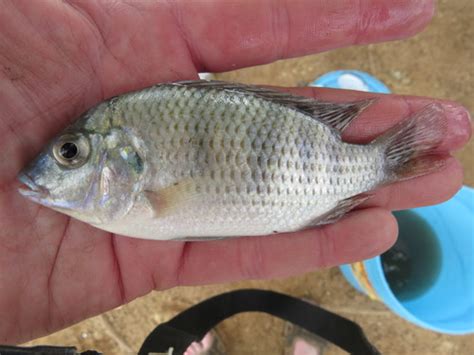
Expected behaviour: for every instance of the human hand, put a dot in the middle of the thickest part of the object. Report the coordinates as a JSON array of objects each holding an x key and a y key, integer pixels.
[{"x": 60, "y": 58}]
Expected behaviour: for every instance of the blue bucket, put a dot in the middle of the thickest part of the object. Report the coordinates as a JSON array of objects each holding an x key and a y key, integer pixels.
[
  {"x": 446, "y": 305},
  {"x": 351, "y": 80}
]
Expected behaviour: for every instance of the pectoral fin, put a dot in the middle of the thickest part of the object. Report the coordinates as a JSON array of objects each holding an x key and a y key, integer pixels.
[{"x": 170, "y": 199}]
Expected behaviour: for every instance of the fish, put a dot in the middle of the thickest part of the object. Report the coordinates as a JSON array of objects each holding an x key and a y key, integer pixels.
[{"x": 201, "y": 160}]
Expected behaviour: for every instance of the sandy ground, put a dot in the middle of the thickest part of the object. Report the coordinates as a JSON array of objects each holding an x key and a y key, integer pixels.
[{"x": 437, "y": 63}]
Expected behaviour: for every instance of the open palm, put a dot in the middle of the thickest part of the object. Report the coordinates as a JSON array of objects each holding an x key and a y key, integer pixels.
[{"x": 59, "y": 58}]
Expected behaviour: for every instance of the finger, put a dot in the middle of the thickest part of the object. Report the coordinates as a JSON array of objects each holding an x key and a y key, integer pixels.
[
  {"x": 391, "y": 109},
  {"x": 240, "y": 33},
  {"x": 361, "y": 235},
  {"x": 386, "y": 112},
  {"x": 426, "y": 190},
  {"x": 150, "y": 38}
]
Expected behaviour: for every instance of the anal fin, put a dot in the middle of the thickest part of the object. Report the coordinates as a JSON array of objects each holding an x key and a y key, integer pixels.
[{"x": 341, "y": 209}]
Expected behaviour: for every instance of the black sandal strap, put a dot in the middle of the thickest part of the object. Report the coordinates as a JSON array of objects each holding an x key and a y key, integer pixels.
[{"x": 192, "y": 324}]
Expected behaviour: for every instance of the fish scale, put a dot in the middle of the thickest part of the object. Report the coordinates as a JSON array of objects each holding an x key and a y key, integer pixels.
[{"x": 207, "y": 160}]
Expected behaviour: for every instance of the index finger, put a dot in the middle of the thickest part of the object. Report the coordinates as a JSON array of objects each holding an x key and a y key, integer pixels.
[{"x": 226, "y": 35}]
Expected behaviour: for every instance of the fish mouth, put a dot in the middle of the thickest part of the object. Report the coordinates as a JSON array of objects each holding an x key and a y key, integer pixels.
[
  {"x": 41, "y": 194},
  {"x": 31, "y": 190}
]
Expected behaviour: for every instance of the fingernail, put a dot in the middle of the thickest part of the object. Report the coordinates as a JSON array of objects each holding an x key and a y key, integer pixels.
[{"x": 460, "y": 125}]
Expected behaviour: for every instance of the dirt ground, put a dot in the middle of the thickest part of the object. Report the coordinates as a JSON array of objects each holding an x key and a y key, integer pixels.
[{"x": 437, "y": 63}]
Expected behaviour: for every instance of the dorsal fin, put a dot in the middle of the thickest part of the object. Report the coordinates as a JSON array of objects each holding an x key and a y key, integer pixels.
[{"x": 335, "y": 115}]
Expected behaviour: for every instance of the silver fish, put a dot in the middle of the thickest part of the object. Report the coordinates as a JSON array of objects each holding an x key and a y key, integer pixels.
[{"x": 209, "y": 159}]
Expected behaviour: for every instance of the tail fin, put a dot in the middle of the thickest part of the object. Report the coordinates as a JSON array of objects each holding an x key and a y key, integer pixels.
[{"x": 410, "y": 146}]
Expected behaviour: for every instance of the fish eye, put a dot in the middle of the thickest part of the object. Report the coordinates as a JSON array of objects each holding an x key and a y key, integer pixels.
[
  {"x": 68, "y": 150},
  {"x": 71, "y": 151}
]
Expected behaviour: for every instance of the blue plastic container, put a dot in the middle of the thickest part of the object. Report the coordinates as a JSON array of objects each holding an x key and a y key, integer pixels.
[
  {"x": 447, "y": 306},
  {"x": 351, "y": 80}
]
